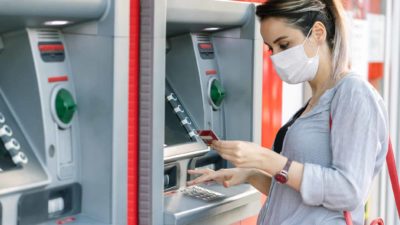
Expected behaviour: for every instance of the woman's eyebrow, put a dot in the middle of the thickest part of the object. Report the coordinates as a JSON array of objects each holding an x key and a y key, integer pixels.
[{"x": 280, "y": 38}]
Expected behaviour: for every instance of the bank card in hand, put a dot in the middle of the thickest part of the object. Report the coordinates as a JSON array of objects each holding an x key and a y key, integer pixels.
[{"x": 207, "y": 136}]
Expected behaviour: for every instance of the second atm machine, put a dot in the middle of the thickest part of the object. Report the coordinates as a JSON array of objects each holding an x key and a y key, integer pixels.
[{"x": 212, "y": 69}]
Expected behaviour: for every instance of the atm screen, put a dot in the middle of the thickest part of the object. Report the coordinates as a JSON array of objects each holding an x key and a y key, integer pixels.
[
  {"x": 6, "y": 162},
  {"x": 175, "y": 133}
]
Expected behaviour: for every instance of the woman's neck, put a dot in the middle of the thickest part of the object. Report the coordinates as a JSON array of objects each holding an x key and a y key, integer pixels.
[{"x": 322, "y": 81}]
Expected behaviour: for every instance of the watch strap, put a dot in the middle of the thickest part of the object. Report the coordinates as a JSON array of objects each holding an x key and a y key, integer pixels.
[{"x": 287, "y": 165}]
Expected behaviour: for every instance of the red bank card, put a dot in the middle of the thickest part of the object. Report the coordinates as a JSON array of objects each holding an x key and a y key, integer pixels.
[{"x": 207, "y": 136}]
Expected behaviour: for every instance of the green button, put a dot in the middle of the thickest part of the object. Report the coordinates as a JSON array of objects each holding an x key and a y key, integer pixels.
[
  {"x": 65, "y": 106},
  {"x": 217, "y": 93}
]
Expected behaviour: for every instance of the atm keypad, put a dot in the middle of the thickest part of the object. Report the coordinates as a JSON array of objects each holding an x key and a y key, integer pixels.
[{"x": 202, "y": 193}]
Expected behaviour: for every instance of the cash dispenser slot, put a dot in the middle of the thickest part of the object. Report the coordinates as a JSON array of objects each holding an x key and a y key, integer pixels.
[
  {"x": 211, "y": 160},
  {"x": 40, "y": 206},
  {"x": 171, "y": 177}
]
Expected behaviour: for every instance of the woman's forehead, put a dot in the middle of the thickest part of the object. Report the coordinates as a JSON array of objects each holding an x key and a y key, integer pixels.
[{"x": 274, "y": 27}]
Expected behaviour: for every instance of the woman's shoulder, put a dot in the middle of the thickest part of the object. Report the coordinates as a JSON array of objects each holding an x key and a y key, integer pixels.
[
  {"x": 353, "y": 88},
  {"x": 353, "y": 85}
]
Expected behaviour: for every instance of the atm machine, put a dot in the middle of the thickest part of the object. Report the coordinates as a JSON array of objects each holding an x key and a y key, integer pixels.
[
  {"x": 64, "y": 108},
  {"x": 58, "y": 126},
  {"x": 213, "y": 69}
]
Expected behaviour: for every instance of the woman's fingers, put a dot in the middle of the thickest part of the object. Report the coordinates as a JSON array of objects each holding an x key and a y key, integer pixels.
[
  {"x": 200, "y": 180},
  {"x": 226, "y": 177},
  {"x": 200, "y": 171},
  {"x": 224, "y": 144},
  {"x": 204, "y": 175},
  {"x": 218, "y": 176},
  {"x": 232, "y": 181}
]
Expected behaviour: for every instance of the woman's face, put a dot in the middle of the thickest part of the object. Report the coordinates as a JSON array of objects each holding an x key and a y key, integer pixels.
[{"x": 279, "y": 36}]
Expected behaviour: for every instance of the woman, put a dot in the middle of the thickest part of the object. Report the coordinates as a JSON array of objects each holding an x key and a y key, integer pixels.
[{"x": 321, "y": 170}]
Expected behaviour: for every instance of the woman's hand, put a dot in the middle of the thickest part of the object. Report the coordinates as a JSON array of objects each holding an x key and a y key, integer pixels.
[
  {"x": 225, "y": 177},
  {"x": 240, "y": 153},
  {"x": 250, "y": 155}
]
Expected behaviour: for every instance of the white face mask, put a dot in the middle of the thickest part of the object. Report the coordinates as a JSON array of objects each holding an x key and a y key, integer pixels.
[{"x": 293, "y": 65}]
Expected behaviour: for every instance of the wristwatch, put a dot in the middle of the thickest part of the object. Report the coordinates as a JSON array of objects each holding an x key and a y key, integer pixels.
[{"x": 282, "y": 176}]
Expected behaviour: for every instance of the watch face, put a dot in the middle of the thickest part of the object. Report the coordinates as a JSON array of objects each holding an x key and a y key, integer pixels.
[{"x": 281, "y": 178}]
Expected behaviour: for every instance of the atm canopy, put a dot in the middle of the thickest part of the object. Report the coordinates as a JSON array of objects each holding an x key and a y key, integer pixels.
[
  {"x": 201, "y": 15},
  {"x": 17, "y": 14}
]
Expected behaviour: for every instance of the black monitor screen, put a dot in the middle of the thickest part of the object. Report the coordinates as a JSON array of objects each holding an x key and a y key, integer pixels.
[
  {"x": 175, "y": 133},
  {"x": 6, "y": 162}
]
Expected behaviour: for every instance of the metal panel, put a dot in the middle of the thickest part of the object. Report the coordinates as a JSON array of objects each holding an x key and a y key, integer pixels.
[
  {"x": 49, "y": 8},
  {"x": 34, "y": 13},
  {"x": 92, "y": 72},
  {"x": 391, "y": 96},
  {"x": 207, "y": 12},
  {"x": 193, "y": 16},
  {"x": 181, "y": 210},
  {"x": 152, "y": 91},
  {"x": 19, "y": 90}
]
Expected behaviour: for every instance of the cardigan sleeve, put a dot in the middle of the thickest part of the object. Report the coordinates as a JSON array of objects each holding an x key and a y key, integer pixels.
[{"x": 359, "y": 137}]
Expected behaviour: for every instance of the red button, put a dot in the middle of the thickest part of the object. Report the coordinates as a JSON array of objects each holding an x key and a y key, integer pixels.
[
  {"x": 206, "y": 46},
  {"x": 211, "y": 72},
  {"x": 57, "y": 79},
  {"x": 51, "y": 48}
]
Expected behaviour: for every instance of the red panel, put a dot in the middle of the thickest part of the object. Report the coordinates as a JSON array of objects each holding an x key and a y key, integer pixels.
[
  {"x": 211, "y": 72},
  {"x": 205, "y": 46},
  {"x": 272, "y": 102},
  {"x": 375, "y": 6},
  {"x": 375, "y": 70},
  {"x": 133, "y": 114},
  {"x": 51, "y": 47},
  {"x": 57, "y": 79}
]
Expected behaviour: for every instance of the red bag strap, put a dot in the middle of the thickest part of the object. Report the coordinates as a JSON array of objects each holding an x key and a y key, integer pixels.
[
  {"x": 347, "y": 217},
  {"x": 394, "y": 179}
]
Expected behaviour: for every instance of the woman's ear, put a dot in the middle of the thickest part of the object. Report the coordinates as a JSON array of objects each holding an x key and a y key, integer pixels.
[{"x": 319, "y": 32}]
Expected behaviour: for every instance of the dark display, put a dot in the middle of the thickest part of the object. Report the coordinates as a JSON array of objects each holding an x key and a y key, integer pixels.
[{"x": 175, "y": 132}]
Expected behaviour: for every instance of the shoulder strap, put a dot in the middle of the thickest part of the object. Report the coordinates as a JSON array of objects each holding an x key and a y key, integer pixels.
[{"x": 394, "y": 179}]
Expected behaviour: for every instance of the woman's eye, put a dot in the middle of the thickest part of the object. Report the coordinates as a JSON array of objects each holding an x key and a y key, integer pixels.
[{"x": 284, "y": 46}]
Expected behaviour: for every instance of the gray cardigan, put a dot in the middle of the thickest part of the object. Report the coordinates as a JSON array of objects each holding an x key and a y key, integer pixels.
[{"x": 340, "y": 163}]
